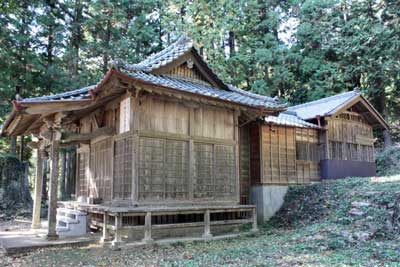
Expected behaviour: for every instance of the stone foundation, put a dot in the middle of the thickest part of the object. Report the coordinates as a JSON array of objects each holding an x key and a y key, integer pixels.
[{"x": 268, "y": 200}]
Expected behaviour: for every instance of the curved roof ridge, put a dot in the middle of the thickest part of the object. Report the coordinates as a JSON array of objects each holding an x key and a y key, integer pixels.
[
  {"x": 168, "y": 54},
  {"x": 74, "y": 94}
]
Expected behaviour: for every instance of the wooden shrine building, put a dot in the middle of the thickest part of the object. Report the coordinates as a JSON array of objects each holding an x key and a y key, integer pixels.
[{"x": 166, "y": 144}]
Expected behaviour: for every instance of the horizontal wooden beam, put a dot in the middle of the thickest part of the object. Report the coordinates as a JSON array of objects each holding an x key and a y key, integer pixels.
[
  {"x": 73, "y": 143},
  {"x": 104, "y": 131}
]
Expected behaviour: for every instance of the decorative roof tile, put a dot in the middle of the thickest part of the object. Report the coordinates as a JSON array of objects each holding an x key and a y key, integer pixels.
[{"x": 324, "y": 106}]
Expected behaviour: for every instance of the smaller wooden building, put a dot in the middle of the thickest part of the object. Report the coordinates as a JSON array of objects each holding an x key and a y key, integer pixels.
[{"x": 347, "y": 142}]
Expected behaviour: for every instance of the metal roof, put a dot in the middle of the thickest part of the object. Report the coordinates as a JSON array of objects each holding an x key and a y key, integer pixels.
[
  {"x": 324, "y": 106},
  {"x": 289, "y": 118}
]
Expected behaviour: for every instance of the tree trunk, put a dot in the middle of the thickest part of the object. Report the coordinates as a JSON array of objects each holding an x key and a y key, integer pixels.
[
  {"x": 387, "y": 140},
  {"x": 13, "y": 145},
  {"x": 107, "y": 40},
  {"x": 231, "y": 43},
  {"x": 21, "y": 148}
]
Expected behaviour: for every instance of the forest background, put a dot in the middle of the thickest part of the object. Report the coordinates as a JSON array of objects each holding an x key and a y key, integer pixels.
[{"x": 298, "y": 50}]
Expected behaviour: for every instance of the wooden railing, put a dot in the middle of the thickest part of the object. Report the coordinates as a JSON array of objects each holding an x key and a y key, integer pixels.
[{"x": 113, "y": 219}]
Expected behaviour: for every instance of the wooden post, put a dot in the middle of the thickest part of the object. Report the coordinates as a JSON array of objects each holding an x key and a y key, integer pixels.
[
  {"x": 147, "y": 228},
  {"x": 37, "y": 200},
  {"x": 118, "y": 225},
  {"x": 52, "y": 210},
  {"x": 207, "y": 232},
  {"x": 106, "y": 235},
  {"x": 254, "y": 224}
]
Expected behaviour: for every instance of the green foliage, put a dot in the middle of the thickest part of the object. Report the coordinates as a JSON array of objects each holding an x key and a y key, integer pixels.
[
  {"x": 388, "y": 161},
  {"x": 299, "y": 50}
]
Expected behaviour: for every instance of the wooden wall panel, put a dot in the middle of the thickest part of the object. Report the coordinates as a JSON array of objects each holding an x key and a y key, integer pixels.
[
  {"x": 214, "y": 123},
  {"x": 279, "y": 155},
  {"x": 101, "y": 169},
  {"x": 348, "y": 132},
  {"x": 244, "y": 165},
  {"x": 255, "y": 153},
  {"x": 160, "y": 115},
  {"x": 188, "y": 73}
]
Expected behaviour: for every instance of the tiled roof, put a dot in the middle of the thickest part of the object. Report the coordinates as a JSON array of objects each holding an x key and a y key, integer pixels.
[
  {"x": 162, "y": 58},
  {"x": 78, "y": 94},
  {"x": 323, "y": 107},
  {"x": 235, "y": 96},
  {"x": 142, "y": 71},
  {"x": 289, "y": 118}
]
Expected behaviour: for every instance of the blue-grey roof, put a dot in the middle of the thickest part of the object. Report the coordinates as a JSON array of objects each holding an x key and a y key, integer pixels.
[
  {"x": 324, "y": 106},
  {"x": 235, "y": 96},
  {"x": 143, "y": 72},
  {"x": 289, "y": 118},
  {"x": 78, "y": 94},
  {"x": 162, "y": 58}
]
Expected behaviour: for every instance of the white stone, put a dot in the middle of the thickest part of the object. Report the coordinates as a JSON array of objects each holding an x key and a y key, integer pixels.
[{"x": 71, "y": 222}]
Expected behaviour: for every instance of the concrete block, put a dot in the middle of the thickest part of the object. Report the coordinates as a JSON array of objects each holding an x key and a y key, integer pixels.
[{"x": 268, "y": 199}]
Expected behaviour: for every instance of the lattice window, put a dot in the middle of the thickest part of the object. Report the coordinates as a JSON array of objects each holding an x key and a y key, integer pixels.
[
  {"x": 203, "y": 171},
  {"x": 225, "y": 182},
  {"x": 83, "y": 164},
  {"x": 151, "y": 168},
  {"x": 100, "y": 167},
  {"x": 122, "y": 186},
  {"x": 176, "y": 169}
]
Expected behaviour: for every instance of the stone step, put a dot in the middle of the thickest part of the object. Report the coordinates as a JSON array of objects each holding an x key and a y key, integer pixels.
[{"x": 67, "y": 220}]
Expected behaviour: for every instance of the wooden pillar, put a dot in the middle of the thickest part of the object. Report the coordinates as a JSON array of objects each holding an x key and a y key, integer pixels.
[
  {"x": 254, "y": 224},
  {"x": 52, "y": 210},
  {"x": 207, "y": 232},
  {"x": 118, "y": 225},
  {"x": 37, "y": 199},
  {"x": 106, "y": 235},
  {"x": 147, "y": 228}
]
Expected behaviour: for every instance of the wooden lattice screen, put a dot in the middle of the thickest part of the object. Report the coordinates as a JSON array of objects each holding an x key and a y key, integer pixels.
[
  {"x": 224, "y": 181},
  {"x": 176, "y": 169},
  {"x": 101, "y": 168},
  {"x": 214, "y": 171},
  {"x": 122, "y": 187},
  {"x": 163, "y": 169},
  {"x": 83, "y": 166},
  {"x": 203, "y": 170}
]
